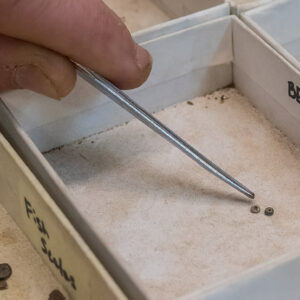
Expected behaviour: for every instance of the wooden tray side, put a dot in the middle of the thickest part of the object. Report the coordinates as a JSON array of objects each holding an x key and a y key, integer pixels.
[{"x": 51, "y": 234}]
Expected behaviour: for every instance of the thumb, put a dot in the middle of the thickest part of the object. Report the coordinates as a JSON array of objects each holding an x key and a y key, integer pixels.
[{"x": 86, "y": 31}]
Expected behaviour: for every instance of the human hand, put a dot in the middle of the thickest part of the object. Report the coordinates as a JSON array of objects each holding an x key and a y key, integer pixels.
[{"x": 37, "y": 38}]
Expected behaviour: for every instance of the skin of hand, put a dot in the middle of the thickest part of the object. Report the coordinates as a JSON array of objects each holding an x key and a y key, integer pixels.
[{"x": 39, "y": 37}]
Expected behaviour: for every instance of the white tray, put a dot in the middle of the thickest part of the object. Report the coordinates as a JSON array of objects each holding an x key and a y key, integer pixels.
[{"x": 208, "y": 53}]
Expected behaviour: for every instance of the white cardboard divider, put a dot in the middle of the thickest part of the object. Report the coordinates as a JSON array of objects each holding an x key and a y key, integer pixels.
[
  {"x": 282, "y": 86},
  {"x": 278, "y": 24}
]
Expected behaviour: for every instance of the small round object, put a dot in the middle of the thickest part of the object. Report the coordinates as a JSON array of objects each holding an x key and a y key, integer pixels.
[
  {"x": 56, "y": 295},
  {"x": 255, "y": 209},
  {"x": 269, "y": 211},
  {"x": 5, "y": 271}
]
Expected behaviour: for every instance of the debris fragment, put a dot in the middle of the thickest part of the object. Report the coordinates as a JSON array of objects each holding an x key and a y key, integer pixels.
[
  {"x": 255, "y": 209},
  {"x": 190, "y": 103}
]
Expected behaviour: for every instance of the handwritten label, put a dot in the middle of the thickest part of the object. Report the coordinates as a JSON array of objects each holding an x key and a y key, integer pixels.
[
  {"x": 294, "y": 91},
  {"x": 41, "y": 227}
]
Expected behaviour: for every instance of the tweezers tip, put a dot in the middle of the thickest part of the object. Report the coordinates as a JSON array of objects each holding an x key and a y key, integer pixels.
[{"x": 251, "y": 195}]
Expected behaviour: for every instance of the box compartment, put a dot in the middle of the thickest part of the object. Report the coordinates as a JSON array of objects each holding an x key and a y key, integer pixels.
[{"x": 141, "y": 14}]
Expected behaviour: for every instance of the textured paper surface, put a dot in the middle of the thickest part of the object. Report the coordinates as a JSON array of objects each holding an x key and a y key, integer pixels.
[{"x": 176, "y": 226}]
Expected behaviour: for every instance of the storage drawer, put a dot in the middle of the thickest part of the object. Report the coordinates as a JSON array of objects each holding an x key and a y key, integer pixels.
[
  {"x": 161, "y": 226},
  {"x": 141, "y": 14}
]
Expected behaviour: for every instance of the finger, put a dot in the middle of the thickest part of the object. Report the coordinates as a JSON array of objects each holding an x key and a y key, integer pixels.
[
  {"x": 24, "y": 65},
  {"x": 87, "y": 31}
]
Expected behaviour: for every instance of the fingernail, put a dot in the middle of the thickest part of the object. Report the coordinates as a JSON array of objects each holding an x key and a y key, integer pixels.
[
  {"x": 143, "y": 58},
  {"x": 32, "y": 78}
]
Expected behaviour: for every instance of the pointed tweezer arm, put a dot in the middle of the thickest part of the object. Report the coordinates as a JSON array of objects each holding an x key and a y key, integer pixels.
[{"x": 128, "y": 104}]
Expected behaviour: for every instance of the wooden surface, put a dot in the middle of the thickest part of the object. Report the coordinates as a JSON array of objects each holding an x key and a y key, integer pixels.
[{"x": 31, "y": 278}]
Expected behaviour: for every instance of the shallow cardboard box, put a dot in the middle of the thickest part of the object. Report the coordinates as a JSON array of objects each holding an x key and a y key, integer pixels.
[
  {"x": 277, "y": 24},
  {"x": 208, "y": 56},
  {"x": 142, "y": 14},
  {"x": 240, "y": 6},
  {"x": 183, "y": 7}
]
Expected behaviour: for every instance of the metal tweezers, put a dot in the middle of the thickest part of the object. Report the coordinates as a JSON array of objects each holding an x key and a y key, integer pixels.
[{"x": 119, "y": 97}]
